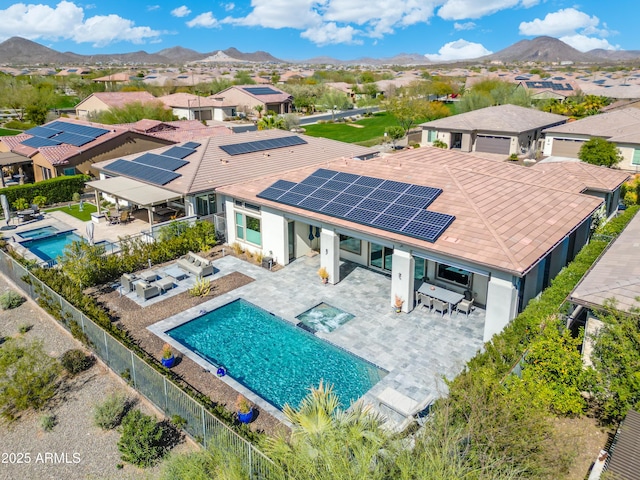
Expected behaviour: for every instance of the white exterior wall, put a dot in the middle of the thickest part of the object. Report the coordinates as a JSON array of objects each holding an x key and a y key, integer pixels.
[
  {"x": 274, "y": 235},
  {"x": 231, "y": 220},
  {"x": 548, "y": 145},
  {"x": 190, "y": 205},
  {"x": 330, "y": 254},
  {"x": 502, "y": 299},
  {"x": 181, "y": 112},
  {"x": 223, "y": 113},
  {"x": 402, "y": 279}
]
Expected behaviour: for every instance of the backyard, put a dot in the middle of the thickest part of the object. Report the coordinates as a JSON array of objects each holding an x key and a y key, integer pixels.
[{"x": 74, "y": 210}]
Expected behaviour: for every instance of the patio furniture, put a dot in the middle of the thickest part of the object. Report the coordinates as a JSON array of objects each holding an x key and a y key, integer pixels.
[
  {"x": 195, "y": 264},
  {"x": 440, "y": 306},
  {"x": 442, "y": 294},
  {"x": 165, "y": 283},
  {"x": 426, "y": 301},
  {"x": 464, "y": 306},
  {"x": 111, "y": 219},
  {"x": 149, "y": 275},
  {"x": 126, "y": 280},
  {"x": 146, "y": 291},
  {"x": 25, "y": 215},
  {"x": 176, "y": 272},
  {"x": 405, "y": 406},
  {"x": 125, "y": 216}
]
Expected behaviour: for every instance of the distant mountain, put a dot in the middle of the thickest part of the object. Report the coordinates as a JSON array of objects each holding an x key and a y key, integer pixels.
[
  {"x": 180, "y": 54},
  {"x": 141, "y": 57},
  {"x": 615, "y": 55},
  {"x": 233, "y": 54},
  {"x": 400, "y": 59},
  {"x": 540, "y": 49},
  {"x": 20, "y": 51}
]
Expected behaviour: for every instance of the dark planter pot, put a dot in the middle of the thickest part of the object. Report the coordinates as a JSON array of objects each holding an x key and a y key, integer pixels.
[
  {"x": 168, "y": 362},
  {"x": 245, "y": 417}
]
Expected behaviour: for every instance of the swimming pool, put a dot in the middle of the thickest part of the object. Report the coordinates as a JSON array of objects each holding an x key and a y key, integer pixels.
[
  {"x": 39, "y": 233},
  {"x": 48, "y": 248},
  {"x": 273, "y": 358}
]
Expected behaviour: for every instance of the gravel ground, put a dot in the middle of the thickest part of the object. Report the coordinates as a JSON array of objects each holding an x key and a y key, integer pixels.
[
  {"x": 83, "y": 450},
  {"x": 135, "y": 319}
]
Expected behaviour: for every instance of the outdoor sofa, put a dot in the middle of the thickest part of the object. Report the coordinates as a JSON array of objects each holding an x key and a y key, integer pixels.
[{"x": 195, "y": 264}]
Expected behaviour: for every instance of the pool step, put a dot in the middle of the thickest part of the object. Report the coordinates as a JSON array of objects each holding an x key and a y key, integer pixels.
[{"x": 306, "y": 327}]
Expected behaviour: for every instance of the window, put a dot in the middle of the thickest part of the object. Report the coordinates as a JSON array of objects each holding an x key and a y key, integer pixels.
[
  {"x": 46, "y": 173},
  {"x": 432, "y": 135},
  {"x": 419, "y": 268},
  {"x": 636, "y": 157},
  {"x": 206, "y": 204},
  {"x": 248, "y": 228},
  {"x": 350, "y": 244},
  {"x": 380, "y": 257},
  {"x": 454, "y": 275},
  {"x": 67, "y": 172}
]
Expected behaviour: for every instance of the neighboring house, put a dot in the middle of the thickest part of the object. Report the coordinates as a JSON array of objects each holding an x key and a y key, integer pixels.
[
  {"x": 556, "y": 88},
  {"x": 503, "y": 129},
  {"x": 499, "y": 233},
  {"x": 73, "y": 71},
  {"x": 624, "y": 460},
  {"x": 247, "y": 97},
  {"x": 194, "y": 107},
  {"x": 103, "y": 101},
  {"x": 621, "y": 127},
  {"x": 69, "y": 147},
  {"x": 218, "y": 161},
  {"x": 115, "y": 79},
  {"x": 178, "y": 131}
]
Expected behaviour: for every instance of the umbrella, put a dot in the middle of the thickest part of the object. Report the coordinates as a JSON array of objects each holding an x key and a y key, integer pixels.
[
  {"x": 90, "y": 227},
  {"x": 5, "y": 207}
]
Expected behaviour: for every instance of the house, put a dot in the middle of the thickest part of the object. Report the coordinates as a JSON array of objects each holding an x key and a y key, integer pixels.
[
  {"x": 103, "y": 101},
  {"x": 624, "y": 460},
  {"x": 621, "y": 127},
  {"x": 178, "y": 131},
  {"x": 503, "y": 129},
  {"x": 247, "y": 97},
  {"x": 208, "y": 163},
  {"x": 194, "y": 107},
  {"x": 495, "y": 232},
  {"x": 556, "y": 88},
  {"x": 69, "y": 147}
]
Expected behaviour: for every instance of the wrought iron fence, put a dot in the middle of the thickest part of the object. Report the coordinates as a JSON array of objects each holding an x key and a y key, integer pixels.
[{"x": 157, "y": 388}]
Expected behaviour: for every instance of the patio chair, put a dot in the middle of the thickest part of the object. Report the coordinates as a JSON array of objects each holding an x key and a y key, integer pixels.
[
  {"x": 146, "y": 291},
  {"x": 464, "y": 306},
  {"x": 126, "y": 280},
  {"x": 440, "y": 306},
  {"x": 125, "y": 216}
]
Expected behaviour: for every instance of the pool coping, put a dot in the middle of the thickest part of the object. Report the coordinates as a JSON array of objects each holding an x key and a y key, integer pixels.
[{"x": 161, "y": 327}]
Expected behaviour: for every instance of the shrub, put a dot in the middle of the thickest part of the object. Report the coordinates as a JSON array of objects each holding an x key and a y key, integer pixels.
[
  {"x": 439, "y": 144},
  {"x": 56, "y": 190},
  {"x": 24, "y": 328},
  {"x": 27, "y": 377},
  {"x": 20, "y": 204},
  {"x": 108, "y": 414},
  {"x": 11, "y": 299},
  {"x": 76, "y": 361},
  {"x": 75, "y": 197},
  {"x": 39, "y": 200},
  {"x": 237, "y": 248},
  {"x": 201, "y": 288},
  {"x": 47, "y": 422},
  {"x": 17, "y": 125},
  {"x": 141, "y": 440}
]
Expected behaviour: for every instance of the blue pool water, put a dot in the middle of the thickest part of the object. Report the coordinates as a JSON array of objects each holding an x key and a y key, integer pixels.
[
  {"x": 50, "y": 247},
  {"x": 273, "y": 358},
  {"x": 39, "y": 232},
  {"x": 324, "y": 318}
]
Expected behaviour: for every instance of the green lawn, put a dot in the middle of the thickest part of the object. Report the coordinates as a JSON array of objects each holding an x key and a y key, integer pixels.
[
  {"x": 373, "y": 129},
  {"x": 74, "y": 211},
  {"x": 5, "y": 132}
]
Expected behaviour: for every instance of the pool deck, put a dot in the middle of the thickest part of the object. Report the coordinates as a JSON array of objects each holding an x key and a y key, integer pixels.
[{"x": 418, "y": 349}]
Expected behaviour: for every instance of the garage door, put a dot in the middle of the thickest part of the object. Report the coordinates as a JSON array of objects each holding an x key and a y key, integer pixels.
[
  {"x": 564, "y": 147},
  {"x": 489, "y": 144}
]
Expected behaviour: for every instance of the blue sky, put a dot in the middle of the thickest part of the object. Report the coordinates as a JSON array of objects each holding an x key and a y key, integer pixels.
[{"x": 300, "y": 29}]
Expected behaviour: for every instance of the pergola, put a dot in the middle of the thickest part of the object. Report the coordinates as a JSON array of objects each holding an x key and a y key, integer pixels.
[
  {"x": 133, "y": 191},
  {"x": 8, "y": 159}
]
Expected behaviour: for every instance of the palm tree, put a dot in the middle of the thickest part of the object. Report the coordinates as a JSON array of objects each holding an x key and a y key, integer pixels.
[{"x": 259, "y": 108}]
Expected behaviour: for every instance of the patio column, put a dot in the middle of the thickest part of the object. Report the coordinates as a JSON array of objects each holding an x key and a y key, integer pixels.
[
  {"x": 502, "y": 305},
  {"x": 97, "y": 195},
  {"x": 330, "y": 254},
  {"x": 402, "y": 278}
]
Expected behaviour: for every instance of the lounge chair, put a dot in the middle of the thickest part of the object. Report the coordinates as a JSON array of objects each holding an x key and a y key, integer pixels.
[
  {"x": 464, "y": 306},
  {"x": 440, "y": 306},
  {"x": 146, "y": 291},
  {"x": 126, "y": 280}
]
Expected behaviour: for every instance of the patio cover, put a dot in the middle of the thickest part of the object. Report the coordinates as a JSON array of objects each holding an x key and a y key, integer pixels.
[
  {"x": 10, "y": 158},
  {"x": 134, "y": 191}
]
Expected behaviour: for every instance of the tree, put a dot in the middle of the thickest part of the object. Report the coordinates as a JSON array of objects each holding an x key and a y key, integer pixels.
[
  {"x": 270, "y": 121},
  {"x": 598, "y": 151},
  {"x": 333, "y": 98},
  {"x": 409, "y": 110},
  {"x": 395, "y": 133}
]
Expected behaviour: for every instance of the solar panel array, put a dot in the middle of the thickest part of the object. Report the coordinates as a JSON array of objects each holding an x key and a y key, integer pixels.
[
  {"x": 59, "y": 132},
  {"x": 262, "y": 145},
  {"x": 549, "y": 85},
  {"x": 386, "y": 204},
  {"x": 262, "y": 91},
  {"x": 155, "y": 168}
]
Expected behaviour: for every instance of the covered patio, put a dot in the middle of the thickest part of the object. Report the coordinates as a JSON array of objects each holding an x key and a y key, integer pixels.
[
  {"x": 137, "y": 194},
  {"x": 10, "y": 161}
]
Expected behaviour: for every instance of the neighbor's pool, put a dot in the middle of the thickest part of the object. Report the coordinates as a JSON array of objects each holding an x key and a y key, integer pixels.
[
  {"x": 273, "y": 358},
  {"x": 39, "y": 233},
  {"x": 48, "y": 248}
]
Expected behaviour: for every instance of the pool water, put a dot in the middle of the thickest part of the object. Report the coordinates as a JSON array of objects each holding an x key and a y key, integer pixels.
[
  {"x": 272, "y": 357},
  {"x": 39, "y": 233},
  {"x": 324, "y": 318},
  {"x": 50, "y": 247}
]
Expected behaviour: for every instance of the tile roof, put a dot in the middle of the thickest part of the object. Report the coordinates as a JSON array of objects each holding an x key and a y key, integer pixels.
[
  {"x": 625, "y": 453},
  {"x": 501, "y": 118},
  {"x": 210, "y": 167},
  {"x": 507, "y": 216},
  {"x": 120, "y": 99},
  {"x": 179, "y": 130},
  {"x": 621, "y": 126},
  {"x": 593, "y": 177},
  {"x": 279, "y": 97},
  {"x": 616, "y": 274}
]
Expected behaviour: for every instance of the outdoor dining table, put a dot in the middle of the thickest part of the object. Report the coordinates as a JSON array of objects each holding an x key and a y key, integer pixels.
[
  {"x": 442, "y": 294},
  {"x": 26, "y": 214}
]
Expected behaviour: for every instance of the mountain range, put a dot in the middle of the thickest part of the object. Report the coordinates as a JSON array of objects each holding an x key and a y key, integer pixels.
[{"x": 20, "y": 51}]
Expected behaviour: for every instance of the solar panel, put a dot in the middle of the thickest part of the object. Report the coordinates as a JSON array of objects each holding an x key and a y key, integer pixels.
[
  {"x": 262, "y": 145},
  {"x": 160, "y": 161},
  {"x": 385, "y": 204},
  {"x": 37, "y": 142},
  {"x": 93, "y": 132},
  {"x": 191, "y": 145},
  {"x": 73, "y": 139},
  {"x": 45, "y": 132},
  {"x": 261, "y": 91},
  {"x": 178, "y": 152},
  {"x": 142, "y": 172}
]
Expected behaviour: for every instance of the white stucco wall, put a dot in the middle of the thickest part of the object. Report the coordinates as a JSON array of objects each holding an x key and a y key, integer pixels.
[
  {"x": 501, "y": 305},
  {"x": 274, "y": 235},
  {"x": 402, "y": 279}
]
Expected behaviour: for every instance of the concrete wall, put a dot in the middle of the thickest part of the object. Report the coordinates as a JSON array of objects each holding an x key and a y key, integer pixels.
[
  {"x": 274, "y": 235},
  {"x": 402, "y": 279},
  {"x": 89, "y": 105},
  {"x": 502, "y": 299}
]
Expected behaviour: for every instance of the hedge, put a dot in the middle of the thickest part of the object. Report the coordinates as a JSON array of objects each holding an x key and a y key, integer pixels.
[{"x": 58, "y": 189}]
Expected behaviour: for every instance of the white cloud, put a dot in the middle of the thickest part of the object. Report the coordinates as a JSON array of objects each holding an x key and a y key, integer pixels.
[
  {"x": 206, "y": 20},
  {"x": 180, "y": 12},
  {"x": 461, "y": 9},
  {"x": 229, "y": 6},
  {"x": 280, "y": 14},
  {"x": 66, "y": 21},
  {"x": 330, "y": 33},
  {"x": 151, "y": 8},
  {"x": 562, "y": 22},
  {"x": 464, "y": 26},
  {"x": 458, "y": 50},
  {"x": 584, "y": 43}
]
